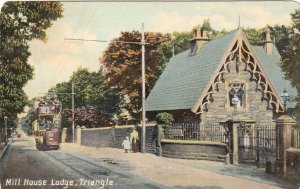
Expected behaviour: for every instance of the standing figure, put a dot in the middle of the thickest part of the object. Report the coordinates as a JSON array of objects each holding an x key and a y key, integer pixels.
[
  {"x": 134, "y": 138},
  {"x": 126, "y": 144}
]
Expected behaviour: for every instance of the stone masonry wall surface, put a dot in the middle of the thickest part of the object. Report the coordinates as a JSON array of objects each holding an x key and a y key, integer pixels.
[
  {"x": 151, "y": 138},
  {"x": 100, "y": 137},
  {"x": 120, "y": 134},
  {"x": 293, "y": 164},
  {"x": 205, "y": 151},
  {"x": 255, "y": 107},
  {"x": 114, "y": 136}
]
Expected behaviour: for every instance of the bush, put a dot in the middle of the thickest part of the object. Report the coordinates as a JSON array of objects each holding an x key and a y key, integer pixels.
[{"x": 165, "y": 120}]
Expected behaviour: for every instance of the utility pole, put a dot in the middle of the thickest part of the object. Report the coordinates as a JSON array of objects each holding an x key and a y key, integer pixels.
[
  {"x": 143, "y": 90},
  {"x": 142, "y": 43},
  {"x": 73, "y": 114},
  {"x": 5, "y": 122}
]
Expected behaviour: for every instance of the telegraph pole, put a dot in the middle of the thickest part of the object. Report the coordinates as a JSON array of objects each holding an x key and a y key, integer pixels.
[
  {"x": 73, "y": 114},
  {"x": 5, "y": 122},
  {"x": 143, "y": 89},
  {"x": 142, "y": 43}
]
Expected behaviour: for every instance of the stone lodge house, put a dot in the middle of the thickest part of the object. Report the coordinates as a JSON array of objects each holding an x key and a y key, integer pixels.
[{"x": 217, "y": 83}]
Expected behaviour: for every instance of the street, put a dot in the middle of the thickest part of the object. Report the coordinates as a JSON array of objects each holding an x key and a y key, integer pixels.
[
  {"x": 27, "y": 168},
  {"x": 75, "y": 166}
]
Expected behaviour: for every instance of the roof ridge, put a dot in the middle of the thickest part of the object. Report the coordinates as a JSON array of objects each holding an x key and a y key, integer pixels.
[{"x": 226, "y": 34}]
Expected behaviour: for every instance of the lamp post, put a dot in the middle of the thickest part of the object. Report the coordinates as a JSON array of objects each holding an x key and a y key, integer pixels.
[
  {"x": 5, "y": 122},
  {"x": 286, "y": 98}
]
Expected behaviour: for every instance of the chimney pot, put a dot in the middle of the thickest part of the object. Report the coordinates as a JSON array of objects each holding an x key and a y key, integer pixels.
[
  {"x": 267, "y": 42},
  {"x": 199, "y": 39}
]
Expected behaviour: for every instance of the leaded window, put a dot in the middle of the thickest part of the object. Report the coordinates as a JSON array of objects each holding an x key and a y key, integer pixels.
[{"x": 236, "y": 95}]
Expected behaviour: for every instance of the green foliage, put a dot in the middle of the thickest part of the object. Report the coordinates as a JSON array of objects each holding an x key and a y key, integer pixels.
[
  {"x": 254, "y": 36},
  {"x": 291, "y": 57},
  {"x": 28, "y": 120},
  {"x": 165, "y": 119},
  {"x": 180, "y": 43},
  {"x": 89, "y": 117},
  {"x": 122, "y": 63},
  {"x": 281, "y": 36},
  {"x": 212, "y": 33},
  {"x": 20, "y": 23},
  {"x": 90, "y": 89}
]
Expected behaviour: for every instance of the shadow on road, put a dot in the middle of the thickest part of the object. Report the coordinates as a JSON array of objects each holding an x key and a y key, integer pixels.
[
  {"x": 198, "y": 187},
  {"x": 259, "y": 175}
]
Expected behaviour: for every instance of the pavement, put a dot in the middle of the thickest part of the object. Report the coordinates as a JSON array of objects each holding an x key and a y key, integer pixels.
[
  {"x": 182, "y": 173},
  {"x": 3, "y": 148}
]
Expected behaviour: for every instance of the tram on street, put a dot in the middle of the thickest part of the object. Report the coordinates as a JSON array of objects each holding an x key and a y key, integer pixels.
[{"x": 47, "y": 124}]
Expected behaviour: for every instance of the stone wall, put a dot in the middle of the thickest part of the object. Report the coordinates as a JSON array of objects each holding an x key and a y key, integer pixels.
[
  {"x": 120, "y": 133},
  {"x": 114, "y": 136},
  {"x": 256, "y": 107},
  {"x": 293, "y": 164},
  {"x": 205, "y": 150},
  {"x": 151, "y": 138}
]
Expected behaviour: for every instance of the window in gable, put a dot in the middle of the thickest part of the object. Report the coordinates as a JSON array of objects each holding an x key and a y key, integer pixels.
[{"x": 236, "y": 95}]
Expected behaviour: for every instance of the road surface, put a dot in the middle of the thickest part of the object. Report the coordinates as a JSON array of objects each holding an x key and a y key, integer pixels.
[{"x": 27, "y": 168}]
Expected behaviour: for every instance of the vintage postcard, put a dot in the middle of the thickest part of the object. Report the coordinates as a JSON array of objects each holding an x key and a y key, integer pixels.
[{"x": 150, "y": 94}]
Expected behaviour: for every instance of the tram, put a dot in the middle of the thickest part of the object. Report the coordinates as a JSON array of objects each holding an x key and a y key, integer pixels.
[{"x": 47, "y": 124}]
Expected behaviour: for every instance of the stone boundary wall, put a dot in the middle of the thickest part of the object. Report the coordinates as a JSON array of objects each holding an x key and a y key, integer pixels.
[
  {"x": 293, "y": 163},
  {"x": 119, "y": 134},
  {"x": 114, "y": 136},
  {"x": 203, "y": 150},
  {"x": 151, "y": 137},
  {"x": 97, "y": 137}
]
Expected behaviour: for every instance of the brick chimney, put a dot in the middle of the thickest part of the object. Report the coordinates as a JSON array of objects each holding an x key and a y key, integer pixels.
[
  {"x": 199, "y": 39},
  {"x": 267, "y": 42}
]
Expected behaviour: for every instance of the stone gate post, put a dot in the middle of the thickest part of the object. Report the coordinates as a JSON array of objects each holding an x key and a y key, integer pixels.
[
  {"x": 78, "y": 135},
  {"x": 160, "y": 136},
  {"x": 283, "y": 139},
  {"x": 64, "y": 135}
]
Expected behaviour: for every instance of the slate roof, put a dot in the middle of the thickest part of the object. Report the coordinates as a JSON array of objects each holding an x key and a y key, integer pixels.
[
  {"x": 185, "y": 76},
  {"x": 270, "y": 64}
]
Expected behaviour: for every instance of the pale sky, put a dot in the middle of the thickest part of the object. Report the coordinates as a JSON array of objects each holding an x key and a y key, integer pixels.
[{"x": 55, "y": 60}]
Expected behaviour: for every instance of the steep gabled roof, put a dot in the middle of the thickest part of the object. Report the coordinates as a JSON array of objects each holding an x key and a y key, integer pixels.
[
  {"x": 270, "y": 64},
  {"x": 186, "y": 75},
  {"x": 187, "y": 80}
]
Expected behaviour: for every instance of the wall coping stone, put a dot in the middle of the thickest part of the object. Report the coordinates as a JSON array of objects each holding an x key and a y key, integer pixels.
[
  {"x": 211, "y": 143},
  {"x": 294, "y": 150},
  {"x": 285, "y": 119},
  {"x": 124, "y": 126},
  {"x": 119, "y": 127},
  {"x": 96, "y": 129},
  {"x": 149, "y": 125}
]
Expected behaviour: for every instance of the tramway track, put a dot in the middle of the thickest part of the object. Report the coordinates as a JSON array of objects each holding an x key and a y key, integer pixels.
[{"x": 99, "y": 170}]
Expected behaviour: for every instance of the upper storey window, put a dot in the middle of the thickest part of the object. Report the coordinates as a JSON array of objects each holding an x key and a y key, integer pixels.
[{"x": 237, "y": 95}]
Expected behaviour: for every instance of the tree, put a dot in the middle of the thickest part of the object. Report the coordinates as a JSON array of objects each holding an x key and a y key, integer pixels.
[
  {"x": 122, "y": 63},
  {"x": 180, "y": 42},
  {"x": 254, "y": 36},
  {"x": 90, "y": 89},
  {"x": 281, "y": 36},
  {"x": 20, "y": 23},
  {"x": 165, "y": 120},
  {"x": 89, "y": 117},
  {"x": 291, "y": 57}
]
